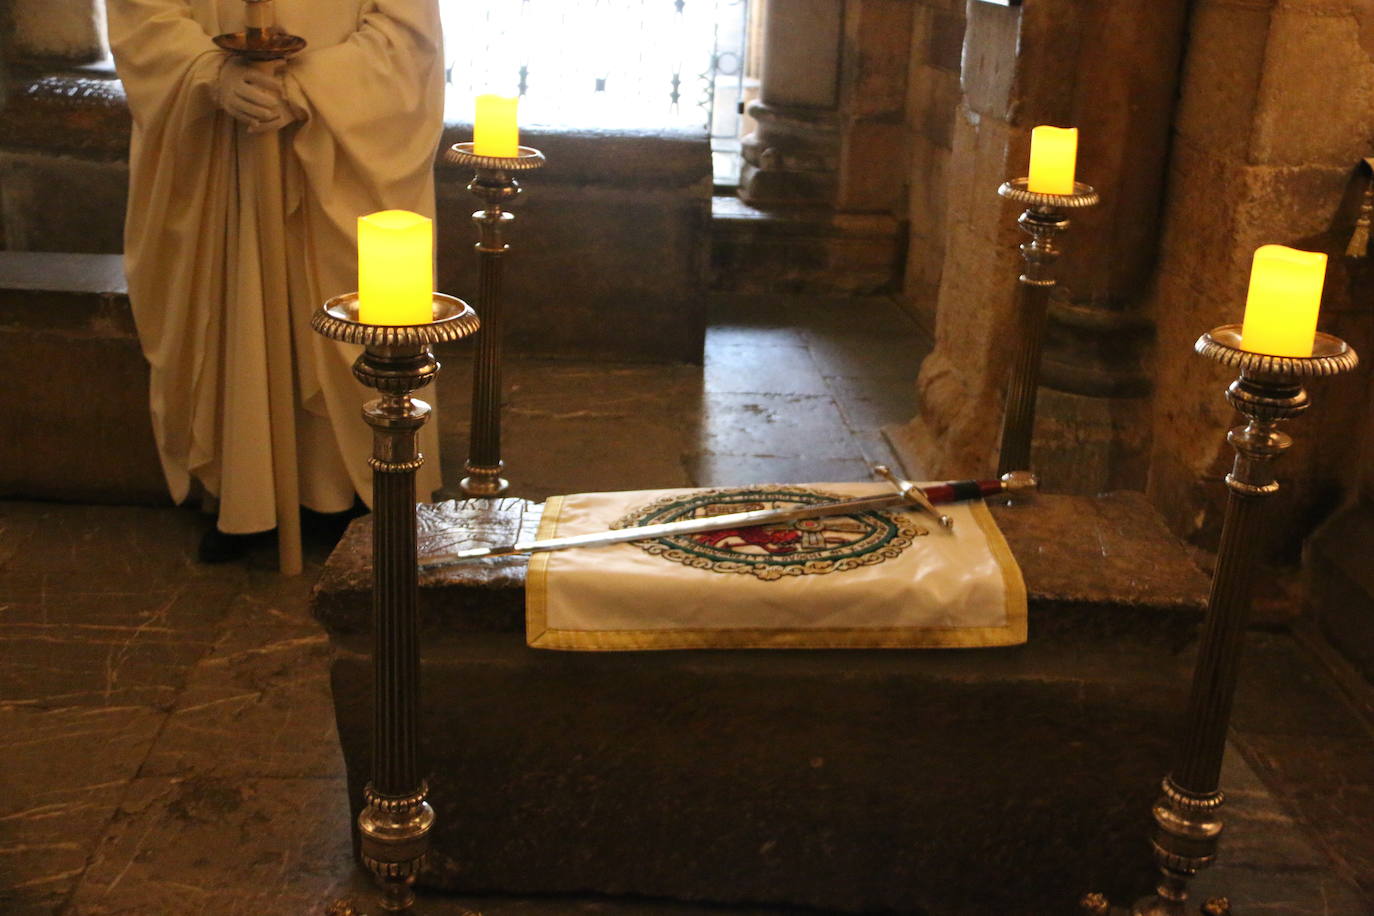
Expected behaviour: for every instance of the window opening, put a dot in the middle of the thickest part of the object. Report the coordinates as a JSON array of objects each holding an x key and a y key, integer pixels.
[{"x": 607, "y": 63}]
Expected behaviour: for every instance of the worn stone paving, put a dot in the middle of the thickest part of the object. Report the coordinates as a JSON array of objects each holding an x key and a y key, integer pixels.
[{"x": 167, "y": 742}]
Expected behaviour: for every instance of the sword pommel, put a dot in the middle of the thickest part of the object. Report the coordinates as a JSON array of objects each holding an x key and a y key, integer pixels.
[{"x": 1020, "y": 486}]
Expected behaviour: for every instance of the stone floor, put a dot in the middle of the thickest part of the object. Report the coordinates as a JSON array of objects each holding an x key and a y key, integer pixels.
[{"x": 166, "y": 736}]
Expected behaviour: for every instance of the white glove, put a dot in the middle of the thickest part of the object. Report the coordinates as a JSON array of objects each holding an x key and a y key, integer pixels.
[{"x": 254, "y": 97}]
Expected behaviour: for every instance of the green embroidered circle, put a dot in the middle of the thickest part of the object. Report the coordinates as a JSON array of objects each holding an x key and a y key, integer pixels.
[{"x": 814, "y": 546}]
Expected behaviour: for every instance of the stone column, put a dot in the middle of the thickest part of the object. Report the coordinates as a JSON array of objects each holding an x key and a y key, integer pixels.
[
  {"x": 793, "y": 157},
  {"x": 1108, "y": 67},
  {"x": 58, "y": 31}
]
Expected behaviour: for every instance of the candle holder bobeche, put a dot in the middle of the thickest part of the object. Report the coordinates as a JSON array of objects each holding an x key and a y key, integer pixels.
[
  {"x": 1187, "y": 814},
  {"x": 396, "y": 360},
  {"x": 1044, "y": 218},
  {"x": 494, "y": 183}
]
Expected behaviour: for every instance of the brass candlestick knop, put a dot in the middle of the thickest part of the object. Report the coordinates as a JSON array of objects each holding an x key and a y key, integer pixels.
[
  {"x": 1187, "y": 815},
  {"x": 1043, "y": 219},
  {"x": 494, "y": 183},
  {"x": 396, "y": 360}
]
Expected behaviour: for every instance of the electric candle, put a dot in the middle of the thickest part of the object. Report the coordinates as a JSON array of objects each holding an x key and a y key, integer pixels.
[
  {"x": 395, "y": 268},
  {"x": 1054, "y": 154},
  {"x": 1281, "y": 308},
  {"x": 494, "y": 130}
]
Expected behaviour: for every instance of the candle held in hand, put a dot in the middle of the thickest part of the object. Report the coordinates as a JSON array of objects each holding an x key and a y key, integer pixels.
[
  {"x": 395, "y": 268},
  {"x": 1054, "y": 156},
  {"x": 1285, "y": 295},
  {"x": 494, "y": 129}
]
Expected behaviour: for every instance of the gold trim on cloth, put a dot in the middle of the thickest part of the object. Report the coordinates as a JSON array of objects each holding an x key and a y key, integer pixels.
[{"x": 539, "y": 634}]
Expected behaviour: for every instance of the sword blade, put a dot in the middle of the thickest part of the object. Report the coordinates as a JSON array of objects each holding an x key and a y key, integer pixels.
[{"x": 683, "y": 526}]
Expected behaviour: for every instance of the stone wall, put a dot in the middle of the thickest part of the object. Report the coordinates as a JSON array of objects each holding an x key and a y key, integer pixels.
[
  {"x": 823, "y": 182},
  {"x": 66, "y": 31},
  {"x": 1109, "y": 68},
  {"x": 1274, "y": 109},
  {"x": 1277, "y": 110},
  {"x": 933, "y": 96},
  {"x": 609, "y": 247}
]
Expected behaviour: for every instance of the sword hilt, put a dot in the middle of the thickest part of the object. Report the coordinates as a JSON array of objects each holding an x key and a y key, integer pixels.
[{"x": 914, "y": 494}]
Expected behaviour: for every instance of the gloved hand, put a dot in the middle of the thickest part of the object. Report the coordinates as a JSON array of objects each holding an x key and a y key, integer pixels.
[{"x": 252, "y": 96}]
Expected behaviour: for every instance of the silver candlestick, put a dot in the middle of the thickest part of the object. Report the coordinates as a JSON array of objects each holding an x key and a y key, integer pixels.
[
  {"x": 1043, "y": 219},
  {"x": 1188, "y": 812},
  {"x": 494, "y": 183},
  {"x": 396, "y": 360}
]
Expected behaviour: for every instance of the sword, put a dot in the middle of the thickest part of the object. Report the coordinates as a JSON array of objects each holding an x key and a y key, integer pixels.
[{"x": 909, "y": 495}]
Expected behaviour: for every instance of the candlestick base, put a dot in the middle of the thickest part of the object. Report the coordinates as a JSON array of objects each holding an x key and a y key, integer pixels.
[{"x": 484, "y": 482}]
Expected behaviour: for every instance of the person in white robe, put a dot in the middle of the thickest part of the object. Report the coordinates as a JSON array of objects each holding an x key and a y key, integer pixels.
[{"x": 358, "y": 116}]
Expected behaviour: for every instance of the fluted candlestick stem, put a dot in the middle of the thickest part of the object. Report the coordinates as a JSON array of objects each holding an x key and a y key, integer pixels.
[
  {"x": 1043, "y": 220},
  {"x": 495, "y": 185},
  {"x": 396, "y": 820}
]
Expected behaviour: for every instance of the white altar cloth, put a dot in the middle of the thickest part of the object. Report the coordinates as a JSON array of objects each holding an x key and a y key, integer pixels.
[{"x": 881, "y": 580}]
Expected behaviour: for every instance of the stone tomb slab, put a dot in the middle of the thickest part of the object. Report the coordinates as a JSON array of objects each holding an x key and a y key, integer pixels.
[{"x": 966, "y": 781}]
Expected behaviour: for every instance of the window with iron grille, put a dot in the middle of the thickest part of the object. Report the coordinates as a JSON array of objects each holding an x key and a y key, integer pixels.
[{"x": 606, "y": 63}]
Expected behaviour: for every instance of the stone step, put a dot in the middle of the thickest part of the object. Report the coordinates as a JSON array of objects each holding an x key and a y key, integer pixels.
[
  {"x": 68, "y": 337},
  {"x": 814, "y": 251},
  {"x": 964, "y": 781}
]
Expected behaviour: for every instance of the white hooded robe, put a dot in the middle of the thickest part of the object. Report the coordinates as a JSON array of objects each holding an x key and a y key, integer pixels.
[{"x": 370, "y": 83}]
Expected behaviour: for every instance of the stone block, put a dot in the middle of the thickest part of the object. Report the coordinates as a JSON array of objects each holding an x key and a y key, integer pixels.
[
  {"x": 1340, "y": 583},
  {"x": 1286, "y": 205},
  {"x": 944, "y": 47},
  {"x": 832, "y": 781},
  {"x": 1088, "y": 444},
  {"x": 922, "y": 20},
  {"x": 679, "y": 773},
  {"x": 1314, "y": 61},
  {"x": 595, "y": 246},
  {"x": 70, "y": 31},
  {"x": 803, "y": 250},
  {"x": 799, "y": 45},
  {"x": 932, "y": 104},
  {"x": 607, "y": 200},
  {"x": 1001, "y": 152},
  {"x": 97, "y": 438},
  {"x": 978, "y": 296},
  {"x": 992, "y": 36},
  {"x": 930, "y": 166},
  {"x": 1221, "y": 79},
  {"x": 589, "y": 225},
  {"x": 942, "y": 439},
  {"x": 78, "y": 114},
  {"x": 876, "y": 51},
  {"x": 1125, "y": 94},
  {"x": 1205, "y": 193},
  {"x": 871, "y": 173},
  {"x": 959, "y": 188},
  {"x": 1047, "y": 61},
  {"x": 1100, "y": 567},
  {"x": 59, "y": 203},
  {"x": 97, "y": 444}
]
